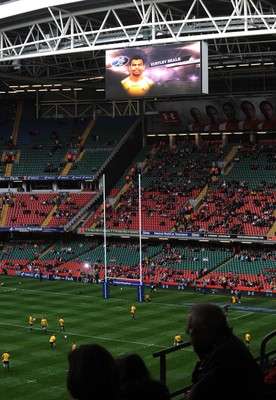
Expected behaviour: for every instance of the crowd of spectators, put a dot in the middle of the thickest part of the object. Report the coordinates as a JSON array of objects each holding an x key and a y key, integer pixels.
[
  {"x": 173, "y": 178},
  {"x": 92, "y": 368},
  {"x": 32, "y": 209},
  {"x": 164, "y": 268}
]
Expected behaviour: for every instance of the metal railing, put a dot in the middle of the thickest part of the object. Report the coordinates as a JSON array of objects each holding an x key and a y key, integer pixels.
[
  {"x": 162, "y": 354},
  {"x": 264, "y": 360}
]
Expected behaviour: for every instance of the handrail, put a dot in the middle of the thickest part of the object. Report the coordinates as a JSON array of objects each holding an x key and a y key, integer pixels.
[
  {"x": 263, "y": 360},
  {"x": 264, "y": 355},
  {"x": 163, "y": 369}
]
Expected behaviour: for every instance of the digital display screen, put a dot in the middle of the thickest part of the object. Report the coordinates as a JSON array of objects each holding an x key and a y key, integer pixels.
[{"x": 157, "y": 71}]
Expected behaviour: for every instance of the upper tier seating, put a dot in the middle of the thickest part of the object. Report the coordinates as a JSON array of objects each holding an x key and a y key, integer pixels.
[
  {"x": 42, "y": 209},
  {"x": 173, "y": 178}
]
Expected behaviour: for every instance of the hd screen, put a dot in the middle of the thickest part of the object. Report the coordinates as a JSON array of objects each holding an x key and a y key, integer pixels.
[{"x": 157, "y": 71}]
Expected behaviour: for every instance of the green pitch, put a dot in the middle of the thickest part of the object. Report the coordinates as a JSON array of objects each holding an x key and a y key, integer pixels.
[{"x": 38, "y": 372}]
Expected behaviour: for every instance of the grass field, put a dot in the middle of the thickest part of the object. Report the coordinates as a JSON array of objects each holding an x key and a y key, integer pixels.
[{"x": 38, "y": 372}]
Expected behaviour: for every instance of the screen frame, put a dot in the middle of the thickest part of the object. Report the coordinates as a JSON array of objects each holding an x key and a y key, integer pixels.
[{"x": 175, "y": 69}]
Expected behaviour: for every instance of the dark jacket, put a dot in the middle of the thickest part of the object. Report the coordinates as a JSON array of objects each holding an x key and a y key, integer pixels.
[{"x": 226, "y": 370}]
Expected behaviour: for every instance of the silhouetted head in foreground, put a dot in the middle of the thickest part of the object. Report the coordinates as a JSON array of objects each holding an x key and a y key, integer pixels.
[
  {"x": 205, "y": 323},
  {"x": 92, "y": 373},
  {"x": 222, "y": 357},
  {"x": 131, "y": 366}
]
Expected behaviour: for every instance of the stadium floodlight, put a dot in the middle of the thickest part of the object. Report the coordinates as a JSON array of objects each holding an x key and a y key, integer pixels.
[{"x": 16, "y": 65}]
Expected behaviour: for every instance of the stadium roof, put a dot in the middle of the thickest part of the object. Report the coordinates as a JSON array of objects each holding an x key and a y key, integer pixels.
[{"x": 64, "y": 42}]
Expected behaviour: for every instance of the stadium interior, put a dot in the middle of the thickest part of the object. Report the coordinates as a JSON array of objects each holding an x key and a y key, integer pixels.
[{"x": 93, "y": 187}]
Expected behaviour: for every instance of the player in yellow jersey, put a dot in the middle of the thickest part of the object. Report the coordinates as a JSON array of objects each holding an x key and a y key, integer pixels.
[
  {"x": 247, "y": 338},
  {"x": 52, "y": 341},
  {"x": 6, "y": 360},
  {"x": 147, "y": 297},
  {"x": 177, "y": 340},
  {"x": 132, "y": 311},
  {"x": 44, "y": 324},
  {"x": 61, "y": 324},
  {"x": 31, "y": 323},
  {"x": 74, "y": 346}
]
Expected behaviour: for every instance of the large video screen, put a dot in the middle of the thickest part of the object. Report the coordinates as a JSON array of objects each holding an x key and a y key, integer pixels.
[{"x": 157, "y": 71}]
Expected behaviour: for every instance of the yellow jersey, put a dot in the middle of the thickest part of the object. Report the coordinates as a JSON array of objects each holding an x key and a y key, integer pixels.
[
  {"x": 177, "y": 339},
  {"x": 5, "y": 357},
  {"x": 52, "y": 339},
  {"x": 137, "y": 88}
]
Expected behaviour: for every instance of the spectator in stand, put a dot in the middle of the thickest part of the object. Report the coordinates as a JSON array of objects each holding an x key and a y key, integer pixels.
[
  {"x": 250, "y": 122},
  {"x": 222, "y": 357},
  {"x": 199, "y": 122},
  {"x": 231, "y": 123},
  {"x": 212, "y": 113},
  {"x": 270, "y": 376},
  {"x": 146, "y": 389},
  {"x": 270, "y": 382},
  {"x": 136, "y": 382},
  {"x": 268, "y": 112},
  {"x": 131, "y": 366},
  {"x": 92, "y": 373}
]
